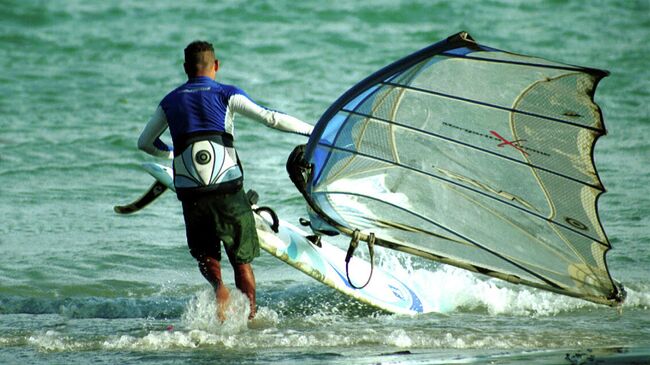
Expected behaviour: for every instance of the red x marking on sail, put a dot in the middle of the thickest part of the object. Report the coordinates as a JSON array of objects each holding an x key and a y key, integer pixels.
[{"x": 509, "y": 143}]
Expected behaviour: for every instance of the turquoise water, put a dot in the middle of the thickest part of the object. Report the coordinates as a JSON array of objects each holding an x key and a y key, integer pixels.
[{"x": 79, "y": 284}]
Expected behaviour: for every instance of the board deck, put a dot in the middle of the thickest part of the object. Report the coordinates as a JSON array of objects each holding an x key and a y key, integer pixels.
[{"x": 326, "y": 263}]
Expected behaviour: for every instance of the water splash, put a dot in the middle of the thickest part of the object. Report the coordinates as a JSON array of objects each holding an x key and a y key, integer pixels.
[
  {"x": 200, "y": 313},
  {"x": 455, "y": 290},
  {"x": 638, "y": 296}
]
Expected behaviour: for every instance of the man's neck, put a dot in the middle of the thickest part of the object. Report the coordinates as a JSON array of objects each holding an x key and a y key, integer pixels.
[{"x": 203, "y": 74}]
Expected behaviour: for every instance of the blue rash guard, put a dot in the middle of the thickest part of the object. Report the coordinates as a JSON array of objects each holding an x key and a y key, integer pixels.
[
  {"x": 199, "y": 106},
  {"x": 200, "y": 116}
]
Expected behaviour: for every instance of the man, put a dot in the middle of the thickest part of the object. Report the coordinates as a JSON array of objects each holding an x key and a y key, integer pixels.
[{"x": 208, "y": 176}]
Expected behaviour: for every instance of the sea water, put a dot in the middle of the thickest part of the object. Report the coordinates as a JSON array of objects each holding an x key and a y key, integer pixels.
[{"x": 80, "y": 284}]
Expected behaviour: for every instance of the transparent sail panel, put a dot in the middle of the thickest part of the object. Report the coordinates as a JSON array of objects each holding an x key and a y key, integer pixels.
[{"x": 475, "y": 157}]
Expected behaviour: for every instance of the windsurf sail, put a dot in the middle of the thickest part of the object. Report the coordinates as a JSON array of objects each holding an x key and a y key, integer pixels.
[{"x": 473, "y": 157}]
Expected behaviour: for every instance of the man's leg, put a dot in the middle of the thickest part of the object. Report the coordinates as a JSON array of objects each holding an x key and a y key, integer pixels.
[
  {"x": 211, "y": 270},
  {"x": 241, "y": 243},
  {"x": 245, "y": 281}
]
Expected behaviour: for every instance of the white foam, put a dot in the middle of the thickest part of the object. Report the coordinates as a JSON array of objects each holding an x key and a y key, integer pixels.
[
  {"x": 199, "y": 326},
  {"x": 638, "y": 296},
  {"x": 200, "y": 313},
  {"x": 448, "y": 289},
  {"x": 308, "y": 337},
  {"x": 399, "y": 338},
  {"x": 52, "y": 341}
]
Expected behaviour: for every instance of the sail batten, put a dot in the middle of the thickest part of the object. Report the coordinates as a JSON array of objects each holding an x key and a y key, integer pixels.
[
  {"x": 529, "y": 64},
  {"x": 473, "y": 157}
]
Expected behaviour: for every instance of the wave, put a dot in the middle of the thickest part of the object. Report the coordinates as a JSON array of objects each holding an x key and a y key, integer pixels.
[{"x": 95, "y": 307}]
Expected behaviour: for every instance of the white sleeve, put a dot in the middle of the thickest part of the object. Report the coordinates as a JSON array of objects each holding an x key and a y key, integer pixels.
[
  {"x": 149, "y": 140},
  {"x": 239, "y": 103}
]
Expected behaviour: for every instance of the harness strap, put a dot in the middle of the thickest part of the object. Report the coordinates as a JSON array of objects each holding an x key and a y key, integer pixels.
[{"x": 354, "y": 243}]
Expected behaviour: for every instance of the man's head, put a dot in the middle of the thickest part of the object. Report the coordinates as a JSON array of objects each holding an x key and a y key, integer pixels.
[{"x": 200, "y": 60}]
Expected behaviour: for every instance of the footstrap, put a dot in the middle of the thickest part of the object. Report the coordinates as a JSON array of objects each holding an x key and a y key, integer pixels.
[{"x": 275, "y": 224}]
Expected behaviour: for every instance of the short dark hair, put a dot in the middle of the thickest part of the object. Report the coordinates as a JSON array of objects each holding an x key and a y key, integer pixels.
[{"x": 198, "y": 55}]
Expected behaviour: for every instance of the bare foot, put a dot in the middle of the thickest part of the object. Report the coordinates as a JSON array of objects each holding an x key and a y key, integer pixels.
[{"x": 223, "y": 301}]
